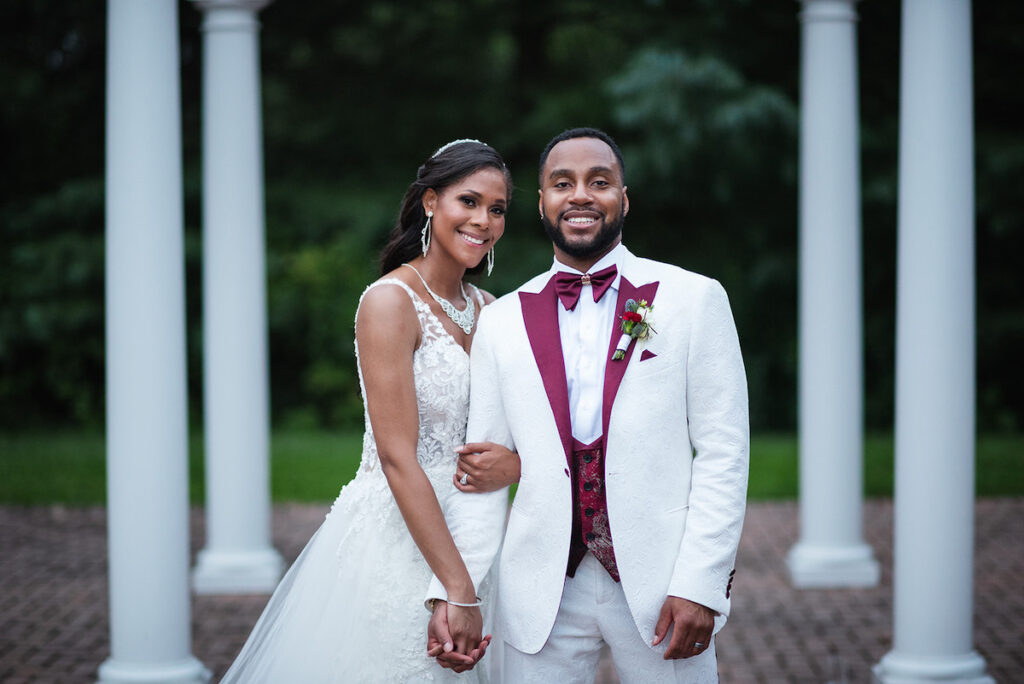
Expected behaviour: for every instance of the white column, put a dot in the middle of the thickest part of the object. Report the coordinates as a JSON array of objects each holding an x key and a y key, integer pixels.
[
  {"x": 238, "y": 557},
  {"x": 147, "y": 429},
  {"x": 933, "y": 578},
  {"x": 831, "y": 551}
]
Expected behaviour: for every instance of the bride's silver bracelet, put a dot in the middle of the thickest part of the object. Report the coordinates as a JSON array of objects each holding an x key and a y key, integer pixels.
[{"x": 466, "y": 605}]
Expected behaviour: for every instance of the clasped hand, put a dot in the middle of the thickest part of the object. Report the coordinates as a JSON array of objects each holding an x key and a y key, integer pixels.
[
  {"x": 453, "y": 637},
  {"x": 485, "y": 467}
]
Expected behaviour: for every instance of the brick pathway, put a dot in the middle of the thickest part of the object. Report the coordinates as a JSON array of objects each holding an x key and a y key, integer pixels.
[{"x": 53, "y": 599}]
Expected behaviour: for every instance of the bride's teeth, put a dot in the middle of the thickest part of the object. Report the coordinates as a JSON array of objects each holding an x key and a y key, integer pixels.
[{"x": 473, "y": 240}]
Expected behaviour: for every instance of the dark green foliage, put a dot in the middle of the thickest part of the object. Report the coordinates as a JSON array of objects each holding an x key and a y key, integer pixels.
[{"x": 702, "y": 97}]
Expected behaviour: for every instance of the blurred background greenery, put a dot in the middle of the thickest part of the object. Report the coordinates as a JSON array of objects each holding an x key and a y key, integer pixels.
[{"x": 702, "y": 96}]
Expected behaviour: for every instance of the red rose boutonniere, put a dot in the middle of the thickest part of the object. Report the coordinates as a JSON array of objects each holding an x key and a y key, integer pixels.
[{"x": 637, "y": 324}]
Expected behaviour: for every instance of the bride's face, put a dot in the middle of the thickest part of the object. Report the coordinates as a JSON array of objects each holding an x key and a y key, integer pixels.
[{"x": 469, "y": 216}]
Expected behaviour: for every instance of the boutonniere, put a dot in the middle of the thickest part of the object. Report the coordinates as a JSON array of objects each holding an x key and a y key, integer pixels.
[{"x": 637, "y": 324}]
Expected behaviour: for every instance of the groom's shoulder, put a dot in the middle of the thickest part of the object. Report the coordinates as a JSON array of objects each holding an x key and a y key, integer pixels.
[
  {"x": 510, "y": 305},
  {"x": 531, "y": 286}
]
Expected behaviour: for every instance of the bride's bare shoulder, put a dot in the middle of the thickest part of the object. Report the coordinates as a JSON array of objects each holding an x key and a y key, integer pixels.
[{"x": 387, "y": 308}]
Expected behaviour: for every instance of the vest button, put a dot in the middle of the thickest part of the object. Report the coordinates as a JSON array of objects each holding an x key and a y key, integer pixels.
[
  {"x": 587, "y": 486},
  {"x": 588, "y": 458},
  {"x": 589, "y": 512},
  {"x": 590, "y": 536}
]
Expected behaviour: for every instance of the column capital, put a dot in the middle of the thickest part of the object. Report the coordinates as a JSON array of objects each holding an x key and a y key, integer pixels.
[
  {"x": 250, "y": 5},
  {"x": 230, "y": 15},
  {"x": 828, "y": 10}
]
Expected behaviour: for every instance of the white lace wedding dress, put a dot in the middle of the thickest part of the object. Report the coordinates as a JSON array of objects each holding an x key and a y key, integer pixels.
[{"x": 351, "y": 607}]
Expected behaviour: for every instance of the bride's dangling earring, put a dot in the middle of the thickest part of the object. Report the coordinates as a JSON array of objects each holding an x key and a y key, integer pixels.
[
  {"x": 490, "y": 261},
  {"x": 425, "y": 233}
]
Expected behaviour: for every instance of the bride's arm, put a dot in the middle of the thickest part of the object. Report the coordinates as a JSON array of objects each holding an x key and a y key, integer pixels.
[{"x": 387, "y": 333}]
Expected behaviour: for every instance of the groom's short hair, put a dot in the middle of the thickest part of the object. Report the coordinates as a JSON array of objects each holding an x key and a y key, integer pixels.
[{"x": 582, "y": 133}]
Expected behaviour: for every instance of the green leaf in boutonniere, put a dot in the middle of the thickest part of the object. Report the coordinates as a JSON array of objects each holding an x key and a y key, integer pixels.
[{"x": 637, "y": 324}]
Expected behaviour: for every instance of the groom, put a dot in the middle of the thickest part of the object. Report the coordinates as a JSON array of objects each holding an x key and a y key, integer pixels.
[{"x": 628, "y": 512}]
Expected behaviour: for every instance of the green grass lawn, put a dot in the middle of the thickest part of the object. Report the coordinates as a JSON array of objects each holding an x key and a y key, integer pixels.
[{"x": 311, "y": 465}]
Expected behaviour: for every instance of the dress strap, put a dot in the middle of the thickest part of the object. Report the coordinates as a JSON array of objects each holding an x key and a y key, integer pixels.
[
  {"x": 395, "y": 281},
  {"x": 479, "y": 295},
  {"x": 422, "y": 309}
]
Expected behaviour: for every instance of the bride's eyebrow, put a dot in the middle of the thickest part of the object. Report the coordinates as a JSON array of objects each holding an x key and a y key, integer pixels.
[{"x": 474, "y": 193}]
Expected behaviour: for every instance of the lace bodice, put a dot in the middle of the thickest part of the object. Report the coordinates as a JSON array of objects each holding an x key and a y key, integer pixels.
[{"x": 441, "y": 372}]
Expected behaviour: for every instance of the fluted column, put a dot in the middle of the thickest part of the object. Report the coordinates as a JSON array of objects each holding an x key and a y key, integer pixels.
[
  {"x": 238, "y": 557},
  {"x": 147, "y": 429},
  {"x": 831, "y": 551},
  {"x": 933, "y": 579}
]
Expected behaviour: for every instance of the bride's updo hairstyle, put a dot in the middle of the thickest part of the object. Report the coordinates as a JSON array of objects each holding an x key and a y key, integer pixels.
[{"x": 449, "y": 165}]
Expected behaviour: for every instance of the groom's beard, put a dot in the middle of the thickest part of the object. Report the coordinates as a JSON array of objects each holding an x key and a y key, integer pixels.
[{"x": 600, "y": 244}]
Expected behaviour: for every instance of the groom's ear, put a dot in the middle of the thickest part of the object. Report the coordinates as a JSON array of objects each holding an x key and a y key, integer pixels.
[{"x": 625, "y": 201}]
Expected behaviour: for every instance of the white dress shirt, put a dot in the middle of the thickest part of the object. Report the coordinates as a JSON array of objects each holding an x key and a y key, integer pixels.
[{"x": 585, "y": 333}]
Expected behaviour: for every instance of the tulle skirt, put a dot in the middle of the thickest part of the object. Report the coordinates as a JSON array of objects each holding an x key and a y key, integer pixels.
[{"x": 351, "y": 607}]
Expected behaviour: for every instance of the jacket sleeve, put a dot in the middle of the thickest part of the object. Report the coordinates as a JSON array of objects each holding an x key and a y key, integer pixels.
[
  {"x": 477, "y": 521},
  {"x": 716, "y": 408}
]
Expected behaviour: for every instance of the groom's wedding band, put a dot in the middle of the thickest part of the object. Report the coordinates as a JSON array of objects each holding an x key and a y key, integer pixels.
[{"x": 464, "y": 479}]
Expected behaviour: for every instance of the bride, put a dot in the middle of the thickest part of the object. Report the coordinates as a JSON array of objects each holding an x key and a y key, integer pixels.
[{"x": 351, "y": 607}]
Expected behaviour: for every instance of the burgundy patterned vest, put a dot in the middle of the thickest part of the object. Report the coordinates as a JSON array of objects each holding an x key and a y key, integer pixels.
[{"x": 590, "y": 531}]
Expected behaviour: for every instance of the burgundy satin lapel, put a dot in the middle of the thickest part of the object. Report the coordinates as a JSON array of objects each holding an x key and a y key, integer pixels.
[
  {"x": 614, "y": 370},
  {"x": 540, "y": 314}
]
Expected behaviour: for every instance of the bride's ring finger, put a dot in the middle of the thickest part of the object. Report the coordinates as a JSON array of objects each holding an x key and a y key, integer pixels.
[{"x": 464, "y": 480}]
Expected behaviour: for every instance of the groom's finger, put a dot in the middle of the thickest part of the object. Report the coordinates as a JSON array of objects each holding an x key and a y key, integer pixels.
[
  {"x": 455, "y": 661},
  {"x": 664, "y": 621},
  {"x": 680, "y": 645},
  {"x": 481, "y": 650}
]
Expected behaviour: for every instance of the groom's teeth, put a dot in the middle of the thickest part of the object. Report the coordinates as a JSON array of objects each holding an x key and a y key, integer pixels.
[{"x": 585, "y": 219}]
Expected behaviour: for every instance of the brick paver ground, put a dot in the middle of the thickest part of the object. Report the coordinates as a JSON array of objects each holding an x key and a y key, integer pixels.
[{"x": 54, "y": 622}]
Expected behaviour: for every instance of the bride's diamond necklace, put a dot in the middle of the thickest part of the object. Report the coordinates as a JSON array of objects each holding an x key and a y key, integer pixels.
[{"x": 464, "y": 319}]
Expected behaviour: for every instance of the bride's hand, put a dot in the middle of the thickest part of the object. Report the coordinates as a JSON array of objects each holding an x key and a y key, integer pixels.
[
  {"x": 453, "y": 637},
  {"x": 439, "y": 642},
  {"x": 485, "y": 467}
]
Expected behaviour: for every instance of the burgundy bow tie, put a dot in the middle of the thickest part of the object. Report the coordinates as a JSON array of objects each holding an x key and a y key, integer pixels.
[{"x": 569, "y": 285}]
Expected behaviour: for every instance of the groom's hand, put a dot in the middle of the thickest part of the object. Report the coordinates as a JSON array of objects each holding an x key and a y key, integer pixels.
[
  {"x": 692, "y": 625},
  {"x": 441, "y": 646},
  {"x": 486, "y": 467}
]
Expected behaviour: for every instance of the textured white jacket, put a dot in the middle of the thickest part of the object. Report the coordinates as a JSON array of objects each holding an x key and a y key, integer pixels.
[{"x": 676, "y": 457}]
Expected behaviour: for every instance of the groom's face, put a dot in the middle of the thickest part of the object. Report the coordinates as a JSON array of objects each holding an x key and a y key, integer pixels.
[{"x": 583, "y": 201}]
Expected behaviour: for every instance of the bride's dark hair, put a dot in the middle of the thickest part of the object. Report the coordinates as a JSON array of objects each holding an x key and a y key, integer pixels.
[{"x": 439, "y": 172}]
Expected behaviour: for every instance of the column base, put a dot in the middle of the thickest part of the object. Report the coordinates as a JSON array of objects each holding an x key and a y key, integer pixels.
[
  {"x": 188, "y": 671},
  {"x": 896, "y": 668},
  {"x": 237, "y": 572},
  {"x": 816, "y": 566}
]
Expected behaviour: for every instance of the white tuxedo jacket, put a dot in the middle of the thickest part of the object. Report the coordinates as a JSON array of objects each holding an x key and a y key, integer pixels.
[{"x": 676, "y": 452}]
